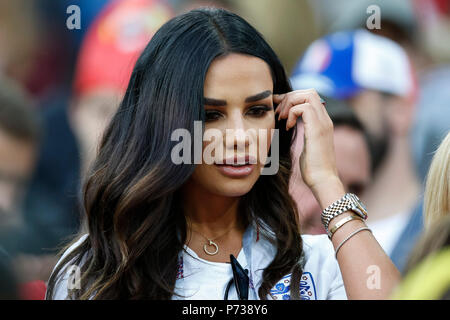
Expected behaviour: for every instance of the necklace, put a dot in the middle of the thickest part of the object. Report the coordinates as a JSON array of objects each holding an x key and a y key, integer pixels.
[{"x": 211, "y": 242}]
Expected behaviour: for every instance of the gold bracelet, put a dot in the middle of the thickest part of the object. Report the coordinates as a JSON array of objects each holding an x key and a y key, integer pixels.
[
  {"x": 341, "y": 222},
  {"x": 348, "y": 237}
]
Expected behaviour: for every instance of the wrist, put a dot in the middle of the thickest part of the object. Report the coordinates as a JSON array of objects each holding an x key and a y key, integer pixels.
[{"x": 328, "y": 191}]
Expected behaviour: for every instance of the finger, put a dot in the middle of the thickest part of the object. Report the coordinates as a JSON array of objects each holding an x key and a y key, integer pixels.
[
  {"x": 323, "y": 113},
  {"x": 283, "y": 107},
  {"x": 294, "y": 113},
  {"x": 307, "y": 113},
  {"x": 299, "y": 97},
  {"x": 292, "y": 99},
  {"x": 277, "y": 98},
  {"x": 288, "y": 101}
]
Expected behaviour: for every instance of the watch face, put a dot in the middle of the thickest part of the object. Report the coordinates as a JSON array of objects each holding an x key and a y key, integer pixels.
[
  {"x": 363, "y": 207},
  {"x": 359, "y": 205}
]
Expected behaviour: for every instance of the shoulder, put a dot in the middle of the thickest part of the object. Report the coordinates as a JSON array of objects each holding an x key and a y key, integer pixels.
[{"x": 62, "y": 279}]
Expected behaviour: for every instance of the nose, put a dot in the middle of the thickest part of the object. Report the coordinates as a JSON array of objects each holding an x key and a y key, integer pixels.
[{"x": 236, "y": 135}]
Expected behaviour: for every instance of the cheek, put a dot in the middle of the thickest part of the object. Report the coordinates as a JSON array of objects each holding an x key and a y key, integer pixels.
[{"x": 268, "y": 130}]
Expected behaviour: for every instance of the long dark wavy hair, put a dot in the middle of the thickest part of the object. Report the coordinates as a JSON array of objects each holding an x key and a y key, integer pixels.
[{"x": 131, "y": 199}]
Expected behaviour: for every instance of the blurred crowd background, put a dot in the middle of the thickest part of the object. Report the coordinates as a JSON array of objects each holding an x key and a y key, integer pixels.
[{"x": 387, "y": 89}]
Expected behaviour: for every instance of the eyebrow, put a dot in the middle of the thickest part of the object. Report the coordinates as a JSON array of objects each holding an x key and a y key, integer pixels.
[{"x": 221, "y": 103}]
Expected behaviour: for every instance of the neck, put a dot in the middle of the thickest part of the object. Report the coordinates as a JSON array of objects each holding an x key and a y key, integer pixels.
[
  {"x": 208, "y": 213},
  {"x": 395, "y": 183}
]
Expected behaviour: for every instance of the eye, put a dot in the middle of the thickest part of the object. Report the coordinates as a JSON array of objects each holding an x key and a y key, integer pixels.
[
  {"x": 212, "y": 115},
  {"x": 258, "y": 111}
]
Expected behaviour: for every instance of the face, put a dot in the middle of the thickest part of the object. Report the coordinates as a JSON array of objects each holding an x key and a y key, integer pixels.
[
  {"x": 369, "y": 106},
  {"x": 16, "y": 164},
  {"x": 384, "y": 116},
  {"x": 353, "y": 164},
  {"x": 238, "y": 102},
  {"x": 89, "y": 117}
]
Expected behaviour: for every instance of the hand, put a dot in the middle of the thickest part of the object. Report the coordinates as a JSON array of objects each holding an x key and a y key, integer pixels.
[{"x": 317, "y": 160}]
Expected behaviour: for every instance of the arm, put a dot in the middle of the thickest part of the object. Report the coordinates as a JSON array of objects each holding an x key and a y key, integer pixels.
[{"x": 361, "y": 259}]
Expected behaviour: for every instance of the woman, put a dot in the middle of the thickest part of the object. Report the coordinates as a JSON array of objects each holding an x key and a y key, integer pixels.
[
  {"x": 160, "y": 230},
  {"x": 428, "y": 272},
  {"x": 430, "y": 260}
]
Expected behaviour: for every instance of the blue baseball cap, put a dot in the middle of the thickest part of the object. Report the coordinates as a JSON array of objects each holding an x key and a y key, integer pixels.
[{"x": 342, "y": 64}]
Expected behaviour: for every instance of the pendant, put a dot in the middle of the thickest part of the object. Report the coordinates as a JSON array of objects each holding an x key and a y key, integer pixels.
[{"x": 211, "y": 243}]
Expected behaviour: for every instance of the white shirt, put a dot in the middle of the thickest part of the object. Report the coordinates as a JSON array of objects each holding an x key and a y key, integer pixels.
[
  {"x": 321, "y": 279},
  {"x": 200, "y": 279},
  {"x": 387, "y": 231}
]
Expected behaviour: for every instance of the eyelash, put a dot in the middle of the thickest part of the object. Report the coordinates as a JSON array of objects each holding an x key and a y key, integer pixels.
[{"x": 258, "y": 112}]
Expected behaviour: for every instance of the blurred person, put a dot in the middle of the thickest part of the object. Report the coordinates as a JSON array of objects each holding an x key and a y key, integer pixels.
[
  {"x": 72, "y": 129},
  {"x": 19, "y": 139},
  {"x": 432, "y": 120},
  {"x": 116, "y": 38},
  {"x": 434, "y": 28},
  {"x": 428, "y": 270},
  {"x": 352, "y": 163},
  {"x": 374, "y": 76},
  {"x": 398, "y": 21},
  {"x": 54, "y": 64},
  {"x": 36, "y": 48},
  {"x": 420, "y": 27},
  {"x": 152, "y": 223},
  {"x": 19, "y": 136},
  {"x": 430, "y": 126},
  {"x": 430, "y": 259},
  {"x": 19, "y": 39}
]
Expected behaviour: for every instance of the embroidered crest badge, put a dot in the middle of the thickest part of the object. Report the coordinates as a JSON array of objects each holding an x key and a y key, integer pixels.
[{"x": 282, "y": 290}]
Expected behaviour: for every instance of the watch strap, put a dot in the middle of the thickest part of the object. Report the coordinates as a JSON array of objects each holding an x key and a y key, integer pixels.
[{"x": 347, "y": 203}]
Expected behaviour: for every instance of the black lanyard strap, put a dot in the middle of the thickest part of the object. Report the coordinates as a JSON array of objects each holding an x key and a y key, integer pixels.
[{"x": 240, "y": 279}]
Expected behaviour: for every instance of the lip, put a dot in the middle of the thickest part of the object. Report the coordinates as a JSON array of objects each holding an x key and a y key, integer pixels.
[
  {"x": 247, "y": 159},
  {"x": 239, "y": 170}
]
